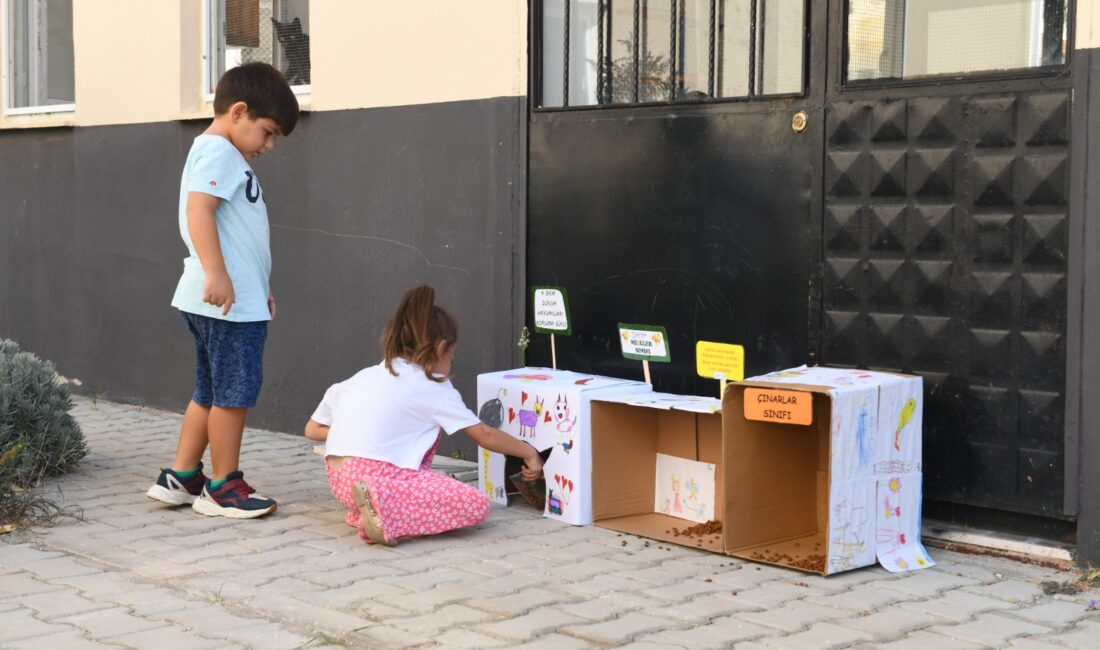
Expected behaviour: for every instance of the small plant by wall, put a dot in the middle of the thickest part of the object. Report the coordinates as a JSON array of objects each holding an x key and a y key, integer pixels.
[{"x": 38, "y": 436}]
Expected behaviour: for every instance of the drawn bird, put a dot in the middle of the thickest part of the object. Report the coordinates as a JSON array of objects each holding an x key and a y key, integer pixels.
[
  {"x": 903, "y": 419},
  {"x": 492, "y": 411}
]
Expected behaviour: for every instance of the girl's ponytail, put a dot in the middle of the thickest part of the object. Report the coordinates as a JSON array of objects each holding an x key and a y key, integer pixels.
[{"x": 415, "y": 329}]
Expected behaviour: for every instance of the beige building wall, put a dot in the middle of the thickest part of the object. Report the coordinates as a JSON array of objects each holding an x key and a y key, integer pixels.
[
  {"x": 1087, "y": 35},
  {"x": 142, "y": 60}
]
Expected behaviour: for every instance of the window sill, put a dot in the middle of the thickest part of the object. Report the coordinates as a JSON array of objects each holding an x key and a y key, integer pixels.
[
  {"x": 38, "y": 117},
  {"x": 303, "y": 93}
]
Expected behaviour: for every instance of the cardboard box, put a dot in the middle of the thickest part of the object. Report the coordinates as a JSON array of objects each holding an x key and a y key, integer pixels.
[
  {"x": 549, "y": 409},
  {"x": 841, "y": 492},
  {"x": 628, "y": 434},
  {"x": 831, "y": 483}
]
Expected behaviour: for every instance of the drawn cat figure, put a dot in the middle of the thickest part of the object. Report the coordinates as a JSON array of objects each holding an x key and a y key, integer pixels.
[
  {"x": 529, "y": 419},
  {"x": 295, "y": 49}
]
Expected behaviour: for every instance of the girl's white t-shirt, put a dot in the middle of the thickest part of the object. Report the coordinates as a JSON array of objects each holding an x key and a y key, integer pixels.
[{"x": 379, "y": 416}]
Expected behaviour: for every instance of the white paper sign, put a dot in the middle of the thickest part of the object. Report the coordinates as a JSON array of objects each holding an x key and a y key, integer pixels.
[
  {"x": 551, "y": 311},
  {"x": 644, "y": 344},
  {"x": 685, "y": 489}
]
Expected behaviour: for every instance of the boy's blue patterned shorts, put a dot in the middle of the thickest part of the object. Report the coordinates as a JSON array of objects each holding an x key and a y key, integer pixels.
[{"x": 228, "y": 360}]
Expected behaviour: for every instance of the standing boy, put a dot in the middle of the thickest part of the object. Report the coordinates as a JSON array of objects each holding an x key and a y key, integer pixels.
[{"x": 223, "y": 294}]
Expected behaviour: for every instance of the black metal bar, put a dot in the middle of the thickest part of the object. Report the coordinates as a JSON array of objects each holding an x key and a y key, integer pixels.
[
  {"x": 752, "y": 48},
  {"x": 681, "y": 56},
  {"x": 599, "y": 52},
  {"x": 1054, "y": 21},
  {"x": 634, "y": 41},
  {"x": 672, "y": 51},
  {"x": 565, "y": 67},
  {"x": 609, "y": 85},
  {"x": 763, "y": 44},
  {"x": 710, "y": 54},
  {"x": 645, "y": 31},
  {"x": 721, "y": 47}
]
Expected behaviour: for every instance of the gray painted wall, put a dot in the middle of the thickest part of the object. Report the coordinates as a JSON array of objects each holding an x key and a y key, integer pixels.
[{"x": 363, "y": 204}]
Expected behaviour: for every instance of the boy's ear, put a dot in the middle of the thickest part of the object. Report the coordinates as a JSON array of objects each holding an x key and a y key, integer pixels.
[{"x": 238, "y": 110}]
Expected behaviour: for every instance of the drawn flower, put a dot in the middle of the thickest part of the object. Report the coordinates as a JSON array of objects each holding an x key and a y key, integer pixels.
[{"x": 895, "y": 484}]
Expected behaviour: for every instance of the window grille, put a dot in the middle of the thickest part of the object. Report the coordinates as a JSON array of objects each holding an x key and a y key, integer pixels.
[
  {"x": 273, "y": 31},
  {"x": 905, "y": 39},
  {"x": 40, "y": 55},
  {"x": 612, "y": 52}
]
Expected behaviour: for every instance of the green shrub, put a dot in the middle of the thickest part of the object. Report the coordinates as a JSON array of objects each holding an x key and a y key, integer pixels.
[{"x": 38, "y": 436}]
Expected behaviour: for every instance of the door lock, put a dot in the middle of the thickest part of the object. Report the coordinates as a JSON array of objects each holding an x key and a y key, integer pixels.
[{"x": 799, "y": 122}]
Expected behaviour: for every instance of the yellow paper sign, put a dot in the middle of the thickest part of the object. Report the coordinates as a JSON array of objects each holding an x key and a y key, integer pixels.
[
  {"x": 720, "y": 361},
  {"x": 784, "y": 406}
]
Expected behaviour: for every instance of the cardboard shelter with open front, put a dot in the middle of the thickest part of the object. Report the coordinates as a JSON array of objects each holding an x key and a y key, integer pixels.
[
  {"x": 629, "y": 435},
  {"x": 839, "y": 492}
]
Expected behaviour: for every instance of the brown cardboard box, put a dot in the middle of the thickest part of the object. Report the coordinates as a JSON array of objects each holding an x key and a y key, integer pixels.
[
  {"x": 841, "y": 492},
  {"x": 627, "y": 436}
]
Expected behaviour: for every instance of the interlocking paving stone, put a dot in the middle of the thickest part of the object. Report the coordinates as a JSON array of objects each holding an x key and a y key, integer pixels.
[
  {"x": 990, "y": 629},
  {"x": 620, "y": 629}
]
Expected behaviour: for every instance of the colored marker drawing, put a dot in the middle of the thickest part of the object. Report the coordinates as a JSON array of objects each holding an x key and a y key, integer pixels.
[
  {"x": 903, "y": 419},
  {"x": 847, "y": 541}
]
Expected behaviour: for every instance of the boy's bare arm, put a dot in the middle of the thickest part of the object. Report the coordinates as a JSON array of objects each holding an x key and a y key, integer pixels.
[
  {"x": 496, "y": 440},
  {"x": 217, "y": 289},
  {"x": 316, "y": 431}
]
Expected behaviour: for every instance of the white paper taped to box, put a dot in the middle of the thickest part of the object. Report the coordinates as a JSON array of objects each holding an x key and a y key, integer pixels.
[{"x": 549, "y": 409}]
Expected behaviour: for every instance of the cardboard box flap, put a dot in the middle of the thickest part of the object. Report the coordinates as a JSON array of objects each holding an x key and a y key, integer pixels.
[
  {"x": 547, "y": 378},
  {"x": 828, "y": 377},
  {"x": 667, "y": 401}
]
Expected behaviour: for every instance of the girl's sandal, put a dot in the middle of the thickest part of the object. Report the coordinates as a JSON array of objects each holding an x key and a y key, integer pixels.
[{"x": 372, "y": 523}]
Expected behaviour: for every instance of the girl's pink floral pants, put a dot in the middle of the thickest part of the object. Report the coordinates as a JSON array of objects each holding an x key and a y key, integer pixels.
[{"x": 410, "y": 502}]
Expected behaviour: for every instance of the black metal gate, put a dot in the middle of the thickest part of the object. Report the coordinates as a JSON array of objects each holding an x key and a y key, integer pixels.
[{"x": 911, "y": 226}]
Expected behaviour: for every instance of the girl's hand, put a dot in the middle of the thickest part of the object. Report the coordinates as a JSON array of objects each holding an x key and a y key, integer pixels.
[
  {"x": 532, "y": 465},
  {"x": 271, "y": 306}
]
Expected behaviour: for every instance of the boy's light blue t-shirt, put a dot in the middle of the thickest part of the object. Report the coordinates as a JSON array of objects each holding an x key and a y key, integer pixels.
[{"x": 215, "y": 167}]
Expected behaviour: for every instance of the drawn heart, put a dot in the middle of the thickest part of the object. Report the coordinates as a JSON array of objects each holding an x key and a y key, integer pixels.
[
  {"x": 522, "y": 397},
  {"x": 547, "y": 419},
  {"x": 511, "y": 414},
  {"x": 569, "y": 483},
  {"x": 557, "y": 478},
  {"x": 901, "y": 538}
]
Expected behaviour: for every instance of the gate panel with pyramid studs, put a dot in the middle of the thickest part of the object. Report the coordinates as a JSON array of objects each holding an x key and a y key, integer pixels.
[{"x": 945, "y": 255}]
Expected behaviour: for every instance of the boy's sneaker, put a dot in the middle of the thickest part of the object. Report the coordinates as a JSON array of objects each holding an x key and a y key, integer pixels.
[
  {"x": 372, "y": 523},
  {"x": 170, "y": 488},
  {"x": 234, "y": 498}
]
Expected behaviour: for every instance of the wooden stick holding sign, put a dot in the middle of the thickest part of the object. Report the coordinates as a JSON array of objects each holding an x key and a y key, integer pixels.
[
  {"x": 721, "y": 361},
  {"x": 644, "y": 343},
  {"x": 550, "y": 305}
]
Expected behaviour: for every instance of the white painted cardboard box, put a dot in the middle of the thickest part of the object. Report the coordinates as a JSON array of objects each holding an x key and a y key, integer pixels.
[{"x": 549, "y": 409}]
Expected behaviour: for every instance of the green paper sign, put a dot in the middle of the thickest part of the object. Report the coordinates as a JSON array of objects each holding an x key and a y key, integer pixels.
[
  {"x": 550, "y": 305},
  {"x": 644, "y": 342}
]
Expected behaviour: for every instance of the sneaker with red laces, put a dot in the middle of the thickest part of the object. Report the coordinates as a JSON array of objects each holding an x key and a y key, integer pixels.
[
  {"x": 233, "y": 498},
  {"x": 172, "y": 488}
]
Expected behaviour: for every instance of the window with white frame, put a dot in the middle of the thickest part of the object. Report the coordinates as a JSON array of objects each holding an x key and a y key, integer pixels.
[
  {"x": 38, "y": 63},
  {"x": 272, "y": 31}
]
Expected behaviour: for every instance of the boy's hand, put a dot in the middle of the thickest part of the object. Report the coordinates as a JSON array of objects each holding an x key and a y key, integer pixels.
[
  {"x": 217, "y": 290},
  {"x": 532, "y": 465},
  {"x": 271, "y": 306}
]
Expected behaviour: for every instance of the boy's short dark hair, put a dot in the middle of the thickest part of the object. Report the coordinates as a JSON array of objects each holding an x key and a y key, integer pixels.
[{"x": 264, "y": 89}]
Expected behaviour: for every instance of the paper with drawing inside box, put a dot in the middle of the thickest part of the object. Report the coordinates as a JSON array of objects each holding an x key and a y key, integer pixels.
[{"x": 685, "y": 488}]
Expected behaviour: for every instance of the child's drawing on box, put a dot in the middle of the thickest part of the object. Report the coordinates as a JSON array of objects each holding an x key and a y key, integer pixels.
[{"x": 382, "y": 427}]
